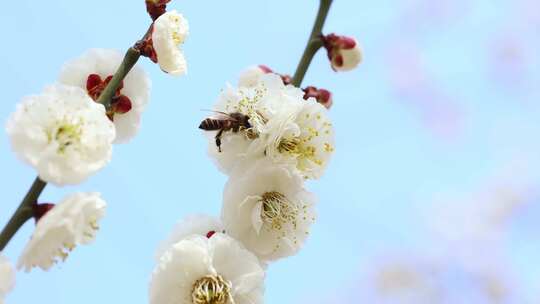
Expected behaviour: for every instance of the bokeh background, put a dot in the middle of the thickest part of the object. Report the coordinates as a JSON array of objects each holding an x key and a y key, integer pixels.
[{"x": 432, "y": 196}]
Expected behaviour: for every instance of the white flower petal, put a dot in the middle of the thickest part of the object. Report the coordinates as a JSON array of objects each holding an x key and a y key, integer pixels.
[
  {"x": 251, "y": 76},
  {"x": 62, "y": 133},
  {"x": 256, "y": 219},
  {"x": 191, "y": 260},
  {"x": 287, "y": 211},
  {"x": 351, "y": 59},
  {"x": 72, "y": 222},
  {"x": 7, "y": 277},
  {"x": 170, "y": 31}
]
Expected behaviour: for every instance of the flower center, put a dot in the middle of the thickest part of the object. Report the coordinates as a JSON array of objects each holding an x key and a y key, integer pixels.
[
  {"x": 277, "y": 210},
  {"x": 211, "y": 289},
  {"x": 291, "y": 146},
  {"x": 296, "y": 147},
  {"x": 66, "y": 135}
]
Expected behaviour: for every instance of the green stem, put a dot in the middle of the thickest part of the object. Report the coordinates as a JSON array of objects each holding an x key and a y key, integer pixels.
[
  {"x": 314, "y": 43},
  {"x": 23, "y": 213},
  {"x": 130, "y": 59}
]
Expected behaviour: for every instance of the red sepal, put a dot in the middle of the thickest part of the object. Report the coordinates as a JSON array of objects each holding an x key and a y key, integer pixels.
[
  {"x": 156, "y": 8},
  {"x": 40, "y": 210}
]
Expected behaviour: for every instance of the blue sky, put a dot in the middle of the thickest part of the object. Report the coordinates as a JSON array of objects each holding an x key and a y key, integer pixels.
[{"x": 444, "y": 107}]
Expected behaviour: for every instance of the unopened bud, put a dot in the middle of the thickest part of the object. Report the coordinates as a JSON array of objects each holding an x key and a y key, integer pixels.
[
  {"x": 156, "y": 8},
  {"x": 324, "y": 97},
  {"x": 344, "y": 52}
]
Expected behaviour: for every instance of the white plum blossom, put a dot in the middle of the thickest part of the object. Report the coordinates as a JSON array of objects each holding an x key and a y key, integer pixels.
[
  {"x": 170, "y": 30},
  {"x": 284, "y": 127},
  {"x": 7, "y": 277},
  {"x": 201, "y": 270},
  {"x": 197, "y": 224},
  {"x": 62, "y": 133},
  {"x": 269, "y": 211},
  {"x": 304, "y": 139},
  {"x": 72, "y": 222},
  {"x": 104, "y": 63}
]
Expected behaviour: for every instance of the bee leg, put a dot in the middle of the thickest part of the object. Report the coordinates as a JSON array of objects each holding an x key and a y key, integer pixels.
[{"x": 218, "y": 140}]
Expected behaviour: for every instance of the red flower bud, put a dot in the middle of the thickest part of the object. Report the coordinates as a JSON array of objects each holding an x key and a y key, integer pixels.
[
  {"x": 156, "y": 8},
  {"x": 322, "y": 96}
]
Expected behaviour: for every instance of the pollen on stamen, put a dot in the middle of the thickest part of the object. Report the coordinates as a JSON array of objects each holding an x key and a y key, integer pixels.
[
  {"x": 278, "y": 211},
  {"x": 211, "y": 289}
]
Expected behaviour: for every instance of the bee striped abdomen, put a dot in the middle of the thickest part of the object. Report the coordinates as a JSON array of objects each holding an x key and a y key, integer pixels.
[{"x": 210, "y": 124}]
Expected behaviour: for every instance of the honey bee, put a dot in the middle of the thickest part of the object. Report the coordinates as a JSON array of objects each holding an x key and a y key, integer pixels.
[{"x": 233, "y": 122}]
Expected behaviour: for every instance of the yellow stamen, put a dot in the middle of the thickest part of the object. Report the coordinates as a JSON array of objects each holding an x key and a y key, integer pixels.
[{"x": 211, "y": 290}]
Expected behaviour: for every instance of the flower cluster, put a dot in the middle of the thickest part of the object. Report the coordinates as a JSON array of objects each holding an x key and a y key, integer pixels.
[
  {"x": 281, "y": 127},
  {"x": 286, "y": 139},
  {"x": 67, "y": 134},
  {"x": 64, "y": 133},
  {"x": 268, "y": 137}
]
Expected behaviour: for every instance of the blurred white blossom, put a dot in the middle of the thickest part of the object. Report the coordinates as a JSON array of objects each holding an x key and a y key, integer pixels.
[
  {"x": 170, "y": 31},
  {"x": 268, "y": 210},
  {"x": 72, "y": 222},
  {"x": 62, "y": 133},
  {"x": 104, "y": 63},
  {"x": 201, "y": 270}
]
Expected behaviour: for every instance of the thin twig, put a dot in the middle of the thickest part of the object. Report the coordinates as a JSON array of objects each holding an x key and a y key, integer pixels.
[
  {"x": 23, "y": 213},
  {"x": 314, "y": 43}
]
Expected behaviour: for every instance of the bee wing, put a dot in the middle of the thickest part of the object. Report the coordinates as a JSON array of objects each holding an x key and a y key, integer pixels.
[{"x": 222, "y": 115}]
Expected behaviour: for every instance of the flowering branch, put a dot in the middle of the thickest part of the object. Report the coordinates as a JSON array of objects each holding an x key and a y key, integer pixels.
[
  {"x": 23, "y": 213},
  {"x": 315, "y": 42},
  {"x": 81, "y": 145}
]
